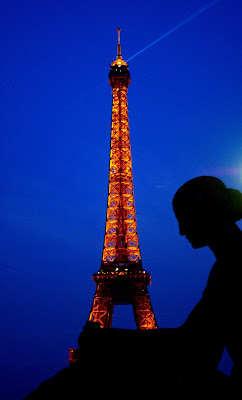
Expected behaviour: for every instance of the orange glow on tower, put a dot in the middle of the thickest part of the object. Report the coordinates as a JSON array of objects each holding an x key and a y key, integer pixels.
[
  {"x": 121, "y": 239},
  {"x": 121, "y": 279}
]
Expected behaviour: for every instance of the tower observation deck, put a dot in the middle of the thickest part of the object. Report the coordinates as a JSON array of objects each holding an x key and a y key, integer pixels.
[{"x": 121, "y": 278}]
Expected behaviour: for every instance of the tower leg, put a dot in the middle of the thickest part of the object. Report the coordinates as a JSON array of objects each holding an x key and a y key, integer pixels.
[
  {"x": 143, "y": 312},
  {"x": 102, "y": 307}
]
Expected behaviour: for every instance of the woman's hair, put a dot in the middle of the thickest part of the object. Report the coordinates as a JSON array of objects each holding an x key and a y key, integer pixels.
[{"x": 208, "y": 197}]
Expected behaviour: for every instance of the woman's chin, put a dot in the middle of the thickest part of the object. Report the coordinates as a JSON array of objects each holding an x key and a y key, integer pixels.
[{"x": 196, "y": 244}]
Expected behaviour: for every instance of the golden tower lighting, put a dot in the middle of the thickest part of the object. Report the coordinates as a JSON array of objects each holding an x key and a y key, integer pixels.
[{"x": 121, "y": 278}]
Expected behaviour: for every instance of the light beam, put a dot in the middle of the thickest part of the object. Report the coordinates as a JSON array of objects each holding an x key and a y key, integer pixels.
[{"x": 178, "y": 26}]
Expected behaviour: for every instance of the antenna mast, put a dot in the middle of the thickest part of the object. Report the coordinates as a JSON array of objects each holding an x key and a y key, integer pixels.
[{"x": 119, "y": 45}]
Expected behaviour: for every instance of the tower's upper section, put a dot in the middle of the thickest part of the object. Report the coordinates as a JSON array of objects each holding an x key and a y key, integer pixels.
[
  {"x": 121, "y": 244},
  {"x": 119, "y": 70}
]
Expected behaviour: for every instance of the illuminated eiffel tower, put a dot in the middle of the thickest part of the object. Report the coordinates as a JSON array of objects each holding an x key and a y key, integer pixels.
[{"x": 121, "y": 278}]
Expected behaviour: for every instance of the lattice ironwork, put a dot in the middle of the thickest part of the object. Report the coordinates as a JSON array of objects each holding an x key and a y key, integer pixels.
[
  {"x": 121, "y": 279},
  {"x": 122, "y": 286},
  {"x": 121, "y": 238}
]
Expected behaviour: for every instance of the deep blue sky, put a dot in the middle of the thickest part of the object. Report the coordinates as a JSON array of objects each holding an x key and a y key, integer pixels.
[{"x": 55, "y": 135}]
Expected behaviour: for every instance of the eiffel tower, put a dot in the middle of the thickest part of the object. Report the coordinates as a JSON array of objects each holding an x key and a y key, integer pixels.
[{"x": 121, "y": 278}]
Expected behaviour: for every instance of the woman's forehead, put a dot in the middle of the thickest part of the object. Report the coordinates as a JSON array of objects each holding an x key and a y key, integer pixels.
[{"x": 187, "y": 200}]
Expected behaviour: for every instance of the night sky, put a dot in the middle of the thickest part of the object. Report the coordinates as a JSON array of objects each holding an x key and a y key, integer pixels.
[{"x": 55, "y": 136}]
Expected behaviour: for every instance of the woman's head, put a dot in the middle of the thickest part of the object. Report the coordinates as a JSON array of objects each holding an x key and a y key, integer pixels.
[{"x": 204, "y": 204}]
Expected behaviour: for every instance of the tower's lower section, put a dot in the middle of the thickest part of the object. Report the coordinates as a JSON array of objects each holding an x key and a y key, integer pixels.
[
  {"x": 120, "y": 283},
  {"x": 122, "y": 287}
]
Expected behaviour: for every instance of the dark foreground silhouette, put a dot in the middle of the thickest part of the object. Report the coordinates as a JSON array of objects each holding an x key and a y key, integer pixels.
[{"x": 130, "y": 363}]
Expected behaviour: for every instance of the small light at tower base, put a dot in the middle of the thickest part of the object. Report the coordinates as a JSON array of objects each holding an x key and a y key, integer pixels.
[{"x": 74, "y": 355}]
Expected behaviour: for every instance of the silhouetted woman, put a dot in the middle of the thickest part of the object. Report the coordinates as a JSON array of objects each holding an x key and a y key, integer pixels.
[
  {"x": 133, "y": 363},
  {"x": 207, "y": 213}
]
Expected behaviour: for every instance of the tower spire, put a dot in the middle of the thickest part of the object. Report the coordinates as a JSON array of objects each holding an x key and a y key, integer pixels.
[{"x": 119, "y": 45}]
